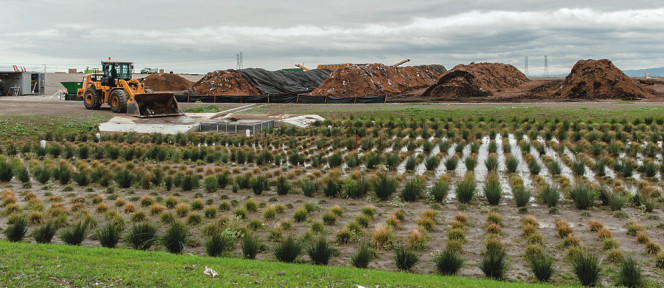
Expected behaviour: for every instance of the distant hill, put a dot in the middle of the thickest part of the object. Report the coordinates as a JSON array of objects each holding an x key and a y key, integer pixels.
[{"x": 641, "y": 72}]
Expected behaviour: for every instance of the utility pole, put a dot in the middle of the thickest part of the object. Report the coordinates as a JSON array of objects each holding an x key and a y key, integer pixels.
[
  {"x": 526, "y": 70},
  {"x": 546, "y": 66},
  {"x": 239, "y": 60}
]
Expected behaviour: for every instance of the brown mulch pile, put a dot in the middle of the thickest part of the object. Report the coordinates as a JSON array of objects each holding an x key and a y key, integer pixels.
[
  {"x": 167, "y": 82},
  {"x": 377, "y": 79},
  {"x": 598, "y": 79},
  {"x": 476, "y": 80},
  {"x": 224, "y": 83}
]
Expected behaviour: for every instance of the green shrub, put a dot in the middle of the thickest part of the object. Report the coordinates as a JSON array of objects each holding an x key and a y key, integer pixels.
[
  {"x": 411, "y": 162},
  {"x": 283, "y": 185},
  {"x": 18, "y": 227},
  {"x": 309, "y": 187},
  {"x": 74, "y": 235},
  {"x": 300, "y": 215},
  {"x": 491, "y": 163},
  {"x": 583, "y": 196},
  {"x": 550, "y": 195},
  {"x": 320, "y": 251},
  {"x": 512, "y": 164},
  {"x": 542, "y": 266},
  {"x": 357, "y": 188},
  {"x": 465, "y": 190},
  {"x": 586, "y": 266},
  {"x": 448, "y": 262},
  {"x": 6, "y": 171},
  {"x": 384, "y": 186},
  {"x": 413, "y": 189},
  {"x": 629, "y": 274},
  {"x": 218, "y": 243},
  {"x": 45, "y": 232},
  {"x": 521, "y": 196},
  {"x": 175, "y": 237},
  {"x": 250, "y": 246},
  {"x": 431, "y": 162},
  {"x": 439, "y": 190},
  {"x": 494, "y": 263},
  {"x": 288, "y": 250},
  {"x": 334, "y": 160},
  {"x": 22, "y": 174},
  {"x": 211, "y": 184},
  {"x": 329, "y": 218},
  {"x": 470, "y": 163},
  {"x": 616, "y": 202},
  {"x": 331, "y": 188},
  {"x": 579, "y": 167},
  {"x": 404, "y": 258},
  {"x": 554, "y": 168},
  {"x": 190, "y": 181},
  {"x": 141, "y": 236},
  {"x": 451, "y": 163},
  {"x": 534, "y": 167},
  {"x": 259, "y": 184},
  {"x": 124, "y": 178},
  {"x": 364, "y": 255},
  {"x": 492, "y": 190},
  {"x": 109, "y": 235},
  {"x": 194, "y": 219}
]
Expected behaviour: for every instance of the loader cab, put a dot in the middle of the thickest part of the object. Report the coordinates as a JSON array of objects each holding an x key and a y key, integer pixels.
[{"x": 114, "y": 71}]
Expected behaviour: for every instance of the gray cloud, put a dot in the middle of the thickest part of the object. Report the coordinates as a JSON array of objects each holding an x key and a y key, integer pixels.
[{"x": 197, "y": 36}]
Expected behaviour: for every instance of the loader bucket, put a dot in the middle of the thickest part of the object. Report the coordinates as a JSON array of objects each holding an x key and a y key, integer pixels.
[{"x": 153, "y": 105}]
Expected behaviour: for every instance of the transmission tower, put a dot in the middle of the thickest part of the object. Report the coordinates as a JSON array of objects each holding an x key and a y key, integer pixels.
[
  {"x": 546, "y": 66},
  {"x": 239, "y": 59},
  {"x": 526, "y": 70}
]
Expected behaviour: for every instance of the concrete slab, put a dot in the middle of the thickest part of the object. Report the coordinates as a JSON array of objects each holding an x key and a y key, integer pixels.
[
  {"x": 191, "y": 122},
  {"x": 163, "y": 125}
]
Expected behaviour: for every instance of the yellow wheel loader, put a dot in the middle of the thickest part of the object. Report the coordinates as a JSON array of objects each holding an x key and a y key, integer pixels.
[{"x": 125, "y": 95}]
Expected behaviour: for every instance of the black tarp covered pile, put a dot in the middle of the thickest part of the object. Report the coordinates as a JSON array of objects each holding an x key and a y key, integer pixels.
[{"x": 284, "y": 82}]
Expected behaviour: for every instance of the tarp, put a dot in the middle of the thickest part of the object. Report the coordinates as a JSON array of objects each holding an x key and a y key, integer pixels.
[{"x": 284, "y": 82}]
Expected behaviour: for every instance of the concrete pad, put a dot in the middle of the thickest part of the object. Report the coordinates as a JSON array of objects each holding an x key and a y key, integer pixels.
[
  {"x": 302, "y": 121},
  {"x": 163, "y": 125}
]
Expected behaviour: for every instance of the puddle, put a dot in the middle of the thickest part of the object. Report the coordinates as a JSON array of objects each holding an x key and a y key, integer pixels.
[
  {"x": 502, "y": 175},
  {"x": 461, "y": 170},
  {"x": 522, "y": 169}
]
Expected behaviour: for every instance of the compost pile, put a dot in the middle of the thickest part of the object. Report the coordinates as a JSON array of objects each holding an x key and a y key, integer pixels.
[
  {"x": 598, "y": 79},
  {"x": 167, "y": 82},
  {"x": 476, "y": 80},
  {"x": 377, "y": 79},
  {"x": 224, "y": 83}
]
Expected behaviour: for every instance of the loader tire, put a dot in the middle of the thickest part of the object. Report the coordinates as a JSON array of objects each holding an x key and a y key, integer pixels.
[
  {"x": 118, "y": 101},
  {"x": 92, "y": 99}
]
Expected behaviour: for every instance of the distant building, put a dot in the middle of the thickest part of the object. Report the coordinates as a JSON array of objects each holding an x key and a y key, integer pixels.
[{"x": 21, "y": 83}]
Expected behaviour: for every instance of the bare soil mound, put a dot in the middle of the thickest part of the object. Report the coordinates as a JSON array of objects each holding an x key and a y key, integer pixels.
[
  {"x": 167, "y": 82},
  {"x": 377, "y": 79},
  {"x": 476, "y": 80},
  {"x": 224, "y": 83},
  {"x": 599, "y": 79}
]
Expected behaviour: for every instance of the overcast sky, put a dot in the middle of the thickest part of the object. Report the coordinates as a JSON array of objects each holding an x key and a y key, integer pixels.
[{"x": 202, "y": 36}]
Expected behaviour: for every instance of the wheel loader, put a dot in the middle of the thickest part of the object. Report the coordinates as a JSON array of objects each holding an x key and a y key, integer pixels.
[{"x": 113, "y": 85}]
